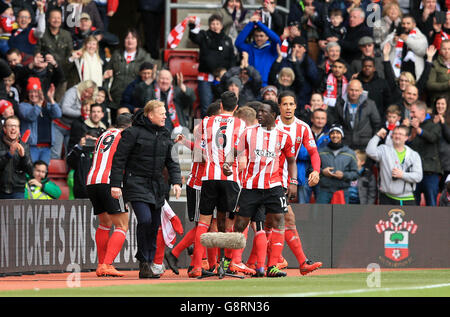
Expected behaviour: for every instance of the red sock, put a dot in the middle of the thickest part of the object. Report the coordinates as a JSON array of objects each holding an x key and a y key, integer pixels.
[
  {"x": 114, "y": 246},
  {"x": 212, "y": 256},
  {"x": 237, "y": 253},
  {"x": 101, "y": 240},
  {"x": 160, "y": 247},
  {"x": 268, "y": 232},
  {"x": 276, "y": 246},
  {"x": 260, "y": 248},
  {"x": 198, "y": 247},
  {"x": 187, "y": 240},
  {"x": 295, "y": 244},
  {"x": 252, "y": 257}
]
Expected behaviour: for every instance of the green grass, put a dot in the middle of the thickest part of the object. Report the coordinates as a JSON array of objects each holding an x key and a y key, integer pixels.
[{"x": 420, "y": 283}]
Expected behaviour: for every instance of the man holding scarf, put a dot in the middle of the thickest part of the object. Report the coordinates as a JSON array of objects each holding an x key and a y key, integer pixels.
[{"x": 178, "y": 100}]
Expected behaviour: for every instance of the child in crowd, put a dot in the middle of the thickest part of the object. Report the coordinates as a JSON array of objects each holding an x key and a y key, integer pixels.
[
  {"x": 393, "y": 117},
  {"x": 444, "y": 200},
  {"x": 12, "y": 91},
  {"x": 363, "y": 190},
  {"x": 334, "y": 29}
]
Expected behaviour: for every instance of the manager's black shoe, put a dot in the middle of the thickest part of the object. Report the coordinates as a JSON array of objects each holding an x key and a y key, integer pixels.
[{"x": 172, "y": 261}]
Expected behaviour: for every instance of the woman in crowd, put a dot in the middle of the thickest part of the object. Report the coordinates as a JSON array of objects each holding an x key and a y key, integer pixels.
[
  {"x": 441, "y": 116},
  {"x": 87, "y": 62}
]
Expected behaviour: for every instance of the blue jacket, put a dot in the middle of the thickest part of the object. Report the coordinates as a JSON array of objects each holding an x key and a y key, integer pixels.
[
  {"x": 303, "y": 159},
  {"x": 39, "y": 121},
  {"x": 262, "y": 57}
]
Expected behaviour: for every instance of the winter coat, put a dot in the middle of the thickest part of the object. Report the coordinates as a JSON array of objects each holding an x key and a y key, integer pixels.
[
  {"x": 13, "y": 169},
  {"x": 439, "y": 80},
  {"x": 39, "y": 121},
  {"x": 80, "y": 160},
  {"x": 124, "y": 73},
  {"x": 141, "y": 156},
  {"x": 216, "y": 50},
  {"x": 427, "y": 145},
  {"x": 378, "y": 91},
  {"x": 261, "y": 57},
  {"x": 367, "y": 120},
  {"x": 137, "y": 94},
  {"x": 344, "y": 160},
  {"x": 388, "y": 159},
  {"x": 444, "y": 147}
]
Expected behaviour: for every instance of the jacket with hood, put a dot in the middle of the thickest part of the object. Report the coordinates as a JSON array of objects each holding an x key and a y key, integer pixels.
[
  {"x": 366, "y": 120},
  {"x": 388, "y": 159},
  {"x": 142, "y": 154}
]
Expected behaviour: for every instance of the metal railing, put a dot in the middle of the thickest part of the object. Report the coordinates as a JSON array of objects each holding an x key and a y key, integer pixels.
[{"x": 205, "y": 6}]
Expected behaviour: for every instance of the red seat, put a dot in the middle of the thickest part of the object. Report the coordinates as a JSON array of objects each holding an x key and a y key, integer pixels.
[
  {"x": 186, "y": 66},
  {"x": 57, "y": 169}
]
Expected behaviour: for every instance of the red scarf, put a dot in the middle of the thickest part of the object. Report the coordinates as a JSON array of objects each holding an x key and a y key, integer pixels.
[
  {"x": 170, "y": 105},
  {"x": 331, "y": 91}
]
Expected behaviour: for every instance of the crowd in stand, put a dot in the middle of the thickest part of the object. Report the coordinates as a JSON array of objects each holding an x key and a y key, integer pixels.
[{"x": 371, "y": 78}]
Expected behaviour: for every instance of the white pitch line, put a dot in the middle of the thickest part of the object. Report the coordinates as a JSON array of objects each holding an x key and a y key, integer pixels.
[{"x": 365, "y": 290}]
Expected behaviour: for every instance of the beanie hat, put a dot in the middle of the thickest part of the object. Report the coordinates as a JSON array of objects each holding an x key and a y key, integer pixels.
[
  {"x": 34, "y": 83},
  {"x": 4, "y": 104},
  {"x": 269, "y": 88},
  {"x": 235, "y": 80},
  {"x": 336, "y": 127}
]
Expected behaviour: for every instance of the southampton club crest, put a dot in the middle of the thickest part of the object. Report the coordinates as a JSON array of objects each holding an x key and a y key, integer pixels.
[{"x": 396, "y": 235}]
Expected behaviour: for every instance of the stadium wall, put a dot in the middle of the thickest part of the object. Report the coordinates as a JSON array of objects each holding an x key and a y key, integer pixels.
[{"x": 57, "y": 236}]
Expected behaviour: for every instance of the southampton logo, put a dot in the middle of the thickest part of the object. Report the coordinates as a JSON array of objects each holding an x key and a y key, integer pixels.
[{"x": 396, "y": 235}]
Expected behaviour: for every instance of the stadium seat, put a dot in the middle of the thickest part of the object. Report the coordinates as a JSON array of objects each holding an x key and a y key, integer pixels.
[
  {"x": 184, "y": 61},
  {"x": 57, "y": 169}
]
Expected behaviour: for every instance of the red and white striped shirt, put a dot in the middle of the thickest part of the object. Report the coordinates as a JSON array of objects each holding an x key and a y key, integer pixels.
[
  {"x": 300, "y": 134},
  {"x": 263, "y": 149},
  {"x": 219, "y": 136},
  {"x": 103, "y": 155}
]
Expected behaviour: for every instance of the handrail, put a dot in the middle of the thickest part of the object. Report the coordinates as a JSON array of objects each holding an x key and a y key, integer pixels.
[{"x": 204, "y": 6}]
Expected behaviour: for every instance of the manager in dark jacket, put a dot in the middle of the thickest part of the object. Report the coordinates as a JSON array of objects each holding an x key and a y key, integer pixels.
[{"x": 143, "y": 152}]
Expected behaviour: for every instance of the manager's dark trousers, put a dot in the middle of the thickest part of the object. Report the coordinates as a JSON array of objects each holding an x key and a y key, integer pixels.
[{"x": 148, "y": 222}]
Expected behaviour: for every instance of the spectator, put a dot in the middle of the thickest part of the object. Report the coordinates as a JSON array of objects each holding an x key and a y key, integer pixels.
[
  {"x": 235, "y": 85},
  {"x": 332, "y": 54},
  {"x": 290, "y": 32},
  {"x": 152, "y": 12},
  {"x": 247, "y": 74},
  {"x": 334, "y": 85},
  {"x": 141, "y": 90},
  {"x": 424, "y": 139},
  {"x": 269, "y": 92},
  {"x": 106, "y": 10},
  {"x": 39, "y": 186},
  {"x": 363, "y": 190},
  {"x": 441, "y": 116},
  {"x": 15, "y": 161},
  {"x": 216, "y": 51},
  {"x": 334, "y": 30},
  {"x": 367, "y": 47},
  {"x": 441, "y": 32},
  {"x": 6, "y": 110},
  {"x": 319, "y": 129},
  {"x": 439, "y": 80},
  {"x": 26, "y": 36},
  {"x": 71, "y": 109},
  {"x": 425, "y": 17},
  {"x": 288, "y": 77},
  {"x": 399, "y": 84},
  {"x": 87, "y": 64},
  {"x": 124, "y": 68},
  {"x": 305, "y": 70},
  {"x": 234, "y": 18},
  {"x": 444, "y": 200},
  {"x": 408, "y": 48},
  {"x": 74, "y": 9},
  {"x": 338, "y": 167},
  {"x": 270, "y": 16},
  {"x": 79, "y": 159},
  {"x": 358, "y": 115},
  {"x": 36, "y": 114},
  {"x": 356, "y": 30},
  {"x": 10, "y": 88},
  {"x": 262, "y": 51},
  {"x": 101, "y": 99},
  {"x": 21, "y": 73},
  {"x": 178, "y": 100},
  {"x": 85, "y": 30},
  {"x": 400, "y": 167},
  {"x": 47, "y": 70},
  {"x": 92, "y": 125},
  {"x": 392, "y": 16},
  {"x": 316, "y": 102},
  {"x": 7, "y": 24},
  {"x": 393, "y": 117},
  {"x": 377, "y": 88}
]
